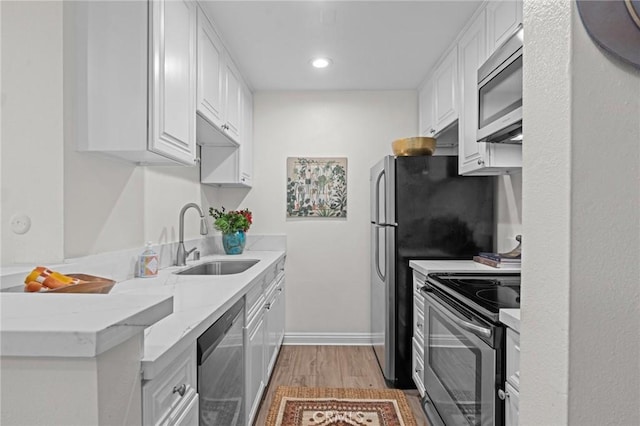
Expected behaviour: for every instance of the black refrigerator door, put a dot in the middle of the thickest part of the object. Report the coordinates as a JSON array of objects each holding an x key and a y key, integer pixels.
[{"x": 439, "y": 215}]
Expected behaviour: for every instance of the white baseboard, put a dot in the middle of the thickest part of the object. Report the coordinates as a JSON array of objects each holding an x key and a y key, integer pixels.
[{"x": 326, "y": 339}]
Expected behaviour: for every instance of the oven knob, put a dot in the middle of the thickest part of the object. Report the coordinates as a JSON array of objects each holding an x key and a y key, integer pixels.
[{"x": 503, "y": 395}]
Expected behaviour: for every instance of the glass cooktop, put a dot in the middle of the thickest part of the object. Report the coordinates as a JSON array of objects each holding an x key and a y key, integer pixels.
[{"x": 488, "y": 291}]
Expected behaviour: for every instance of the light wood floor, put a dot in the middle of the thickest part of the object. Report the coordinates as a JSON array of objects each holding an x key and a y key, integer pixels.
[{"x": 329, "y": 366}]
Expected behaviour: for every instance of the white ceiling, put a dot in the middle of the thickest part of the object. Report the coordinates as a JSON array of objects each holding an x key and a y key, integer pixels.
[{"x": 374, "y": 45}]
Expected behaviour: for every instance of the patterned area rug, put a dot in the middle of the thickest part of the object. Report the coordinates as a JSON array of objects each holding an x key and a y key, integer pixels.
[{"x": 294, "y": 406}]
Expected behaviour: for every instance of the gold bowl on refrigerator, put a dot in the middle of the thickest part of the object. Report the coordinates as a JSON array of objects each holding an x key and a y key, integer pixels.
[{"x": 409, "y": 147}]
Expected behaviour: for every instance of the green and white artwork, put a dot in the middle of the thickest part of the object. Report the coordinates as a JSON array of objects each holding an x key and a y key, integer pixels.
[{"x": 317, "y": 187}]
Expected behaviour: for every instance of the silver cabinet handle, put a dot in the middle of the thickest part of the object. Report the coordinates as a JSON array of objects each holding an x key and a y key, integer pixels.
[
  {"x": 480, "y": 162},
  {"x": 267, "y": 306},
  {"x": 432, "y": 131},
  {"x": 419, "y": 325},
  {"x": 503, "y": 394},
  {"x": 180, "y": 389},
  {"x": 418, "y": 370}
]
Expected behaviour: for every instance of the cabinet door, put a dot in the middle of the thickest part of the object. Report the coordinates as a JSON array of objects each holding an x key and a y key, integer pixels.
[
  {"x": 159, "y": 395},
  {"x": 503, "y": 18},
  {"x": 189, "y": 415},
  {"x": 233, "y": 101},
  {"x": 255, "y": 343},
  {"x": 246, "y": 148},
  {"x": 172, "y": 99},
  {"x": 511, "y": 406},
  {"x": 270, "y": 348},
  {"x": 210, "y": 71},
  {"x": 472, "y": 53},
  {"x": 280, "y": 317},
  {"x": 513, "y": 358},
  {"x": 426, "y": 102},
  {"x": 417, "y": 366},
  {"x": 446, "y": 93}
]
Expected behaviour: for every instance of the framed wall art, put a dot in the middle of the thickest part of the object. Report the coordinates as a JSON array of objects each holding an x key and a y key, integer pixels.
[{"x": 317, "y": 187}]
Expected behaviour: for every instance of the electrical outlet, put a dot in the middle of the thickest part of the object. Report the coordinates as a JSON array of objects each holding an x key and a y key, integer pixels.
[{"x": 20, "y": 223}]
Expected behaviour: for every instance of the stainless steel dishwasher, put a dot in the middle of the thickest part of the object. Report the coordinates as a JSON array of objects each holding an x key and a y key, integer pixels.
[{"x": 221, "y": 370}]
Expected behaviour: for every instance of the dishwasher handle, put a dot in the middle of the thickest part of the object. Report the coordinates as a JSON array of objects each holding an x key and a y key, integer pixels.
[{"x": 211, "y": 338}]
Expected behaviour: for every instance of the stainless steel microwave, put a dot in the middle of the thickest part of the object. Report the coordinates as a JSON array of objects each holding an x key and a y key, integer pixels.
[{"x": 500, "y": 93}]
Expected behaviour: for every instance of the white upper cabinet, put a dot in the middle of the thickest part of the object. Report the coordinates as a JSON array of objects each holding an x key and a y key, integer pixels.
[
  {"x": 446, "y": 91},
  {"x": 246, "y": 149},
  {"x": 503, "y": 19},
  {"x": 438, "y": 101},
  {"x": 472, "y": 53},
  {"x": 233, "y": 100},
  {"x": 475, "y": 46},
  {"x": 173, "y": 95},
  {"x": 225, "y": 113},
  {"x": 220, "y": 88},
  {"x": 135, "y": 80},
  {"x": 426, "y": 103},
  {"x": 210, "y": 72}
]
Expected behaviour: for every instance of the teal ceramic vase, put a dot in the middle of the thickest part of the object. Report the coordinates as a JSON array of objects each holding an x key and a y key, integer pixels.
[{"x": 234, "y": 242}]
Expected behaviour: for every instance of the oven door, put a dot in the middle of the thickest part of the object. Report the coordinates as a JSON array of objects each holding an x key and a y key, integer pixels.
[{"x": 460, "y": 365}]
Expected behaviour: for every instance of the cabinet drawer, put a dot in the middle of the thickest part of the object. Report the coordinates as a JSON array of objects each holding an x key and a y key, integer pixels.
[
  {"x": 417, "y": 366},
  {"x": 254, "y": 300},
  {"x": 163, "y": 395},
  {"x": 418, "y": 317},
  {"x": 187, "y": 413},
  {"x": 418, "y": 281},
  {"x": 511, "y": 406},
  {"x": 513, "y": 358}
]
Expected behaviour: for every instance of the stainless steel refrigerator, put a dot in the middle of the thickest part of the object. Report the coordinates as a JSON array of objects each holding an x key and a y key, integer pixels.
[{"x": 420, "y": 209}]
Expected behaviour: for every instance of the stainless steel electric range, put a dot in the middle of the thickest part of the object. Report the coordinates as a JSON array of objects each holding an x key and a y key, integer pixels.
[{"x": 464, "y": 346}]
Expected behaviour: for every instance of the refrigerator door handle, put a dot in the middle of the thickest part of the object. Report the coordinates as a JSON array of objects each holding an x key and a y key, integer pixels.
[
  {"x": 377, "y": 187},
  {"x": 377, "y": 259}
]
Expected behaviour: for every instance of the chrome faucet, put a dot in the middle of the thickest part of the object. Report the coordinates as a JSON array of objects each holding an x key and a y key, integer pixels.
[{"x": 181, "y": 256}]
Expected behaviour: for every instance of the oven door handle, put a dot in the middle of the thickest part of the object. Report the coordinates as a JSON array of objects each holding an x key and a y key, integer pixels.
[{"x": 452, "y": 315}]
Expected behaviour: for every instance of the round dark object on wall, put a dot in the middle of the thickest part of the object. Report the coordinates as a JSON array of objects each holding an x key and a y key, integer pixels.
[{"x": 614, "y": 25}]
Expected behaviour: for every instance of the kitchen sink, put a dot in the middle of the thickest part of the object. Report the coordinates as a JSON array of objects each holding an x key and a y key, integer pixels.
[{"x": 219, "y": 267}]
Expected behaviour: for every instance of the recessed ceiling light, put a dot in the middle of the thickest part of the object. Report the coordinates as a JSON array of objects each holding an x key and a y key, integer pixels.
[{"x": 321, "y": 62}]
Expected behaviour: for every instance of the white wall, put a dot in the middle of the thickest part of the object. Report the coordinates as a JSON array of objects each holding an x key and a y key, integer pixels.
[
  {"x": 508, "y": 211},
  {"x": 79, "y": 203},
  {"x": 327, "y": 259},
  {"x": 32, "y": 130},
  {"x": 581, "y": 213}
]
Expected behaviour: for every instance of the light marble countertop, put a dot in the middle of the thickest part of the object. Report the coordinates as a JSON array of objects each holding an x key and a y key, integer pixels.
[
  {"x": 75, "y": 325},
  {"x": 428, "y": 266},
  {"x": 509, "y": 317},
  {"x": 173, "y": 310},
  {"x": 198, "y": 301}
]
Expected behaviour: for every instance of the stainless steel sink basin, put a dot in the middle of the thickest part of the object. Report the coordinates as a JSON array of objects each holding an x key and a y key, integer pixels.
[{"x": 219, "y": 267}]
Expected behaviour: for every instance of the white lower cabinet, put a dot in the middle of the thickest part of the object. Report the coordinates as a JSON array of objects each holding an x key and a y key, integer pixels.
[
  {"x": 275, "y": 325},
  {"x": 417, "y": 353},
  {"x": 171, "y": 398},
  {"x": 189, "y": 416},
  {"x": 264, "y": 334},
  {"x": 254, "y": 350},
  {"x": 512, "y": 385},
  {"x": 417, "y": 366},
  {"x": 511, "y": 406}
]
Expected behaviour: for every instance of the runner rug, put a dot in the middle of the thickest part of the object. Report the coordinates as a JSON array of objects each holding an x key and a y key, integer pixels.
[{"x": 296, "y": 406}]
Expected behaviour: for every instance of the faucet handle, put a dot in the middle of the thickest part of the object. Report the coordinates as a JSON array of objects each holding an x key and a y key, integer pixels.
[{"x": 196, "y": 255}]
